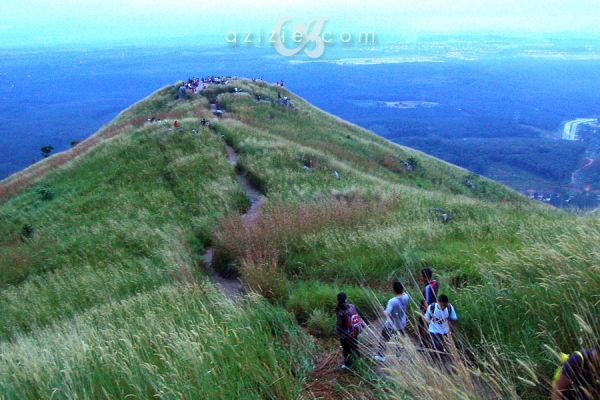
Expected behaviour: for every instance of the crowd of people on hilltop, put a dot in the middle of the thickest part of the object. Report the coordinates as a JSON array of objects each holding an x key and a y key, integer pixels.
[
  {"x": 216, "y": 80},
  {"x": 578, "y": 378},
  {"x": 196, "y": 85}
]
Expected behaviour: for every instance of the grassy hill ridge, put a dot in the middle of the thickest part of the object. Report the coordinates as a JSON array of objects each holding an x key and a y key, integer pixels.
[{"x": 117, "y": 234}]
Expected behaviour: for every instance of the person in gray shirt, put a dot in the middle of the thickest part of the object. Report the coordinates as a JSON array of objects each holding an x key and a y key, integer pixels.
[{"x": 395, "y": 322}]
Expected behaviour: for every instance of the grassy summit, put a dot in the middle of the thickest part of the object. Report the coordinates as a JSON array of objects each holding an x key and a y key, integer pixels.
[{"x": 103, "y": 292}]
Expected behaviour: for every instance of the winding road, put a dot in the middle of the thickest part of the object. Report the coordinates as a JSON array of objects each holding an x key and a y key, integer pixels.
[{"x": 576, "y": 180}]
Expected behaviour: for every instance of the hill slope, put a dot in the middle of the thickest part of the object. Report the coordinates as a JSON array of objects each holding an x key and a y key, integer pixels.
[{"x": 101, "y": 253}]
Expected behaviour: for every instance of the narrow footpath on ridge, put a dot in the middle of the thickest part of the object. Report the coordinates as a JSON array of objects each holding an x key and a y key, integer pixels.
[
  {"x": 232, "y": 287},
  {"x": 326, "y": 380}
]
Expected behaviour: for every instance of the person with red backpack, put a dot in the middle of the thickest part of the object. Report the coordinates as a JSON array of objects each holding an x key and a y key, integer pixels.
[
  {"x": 429, "y": 294},
  {"x": 349, "y": 326}
]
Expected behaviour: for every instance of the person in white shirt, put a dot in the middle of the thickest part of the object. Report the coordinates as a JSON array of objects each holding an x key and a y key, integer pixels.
[
  {"x": 395, "y": 322},
  {"x": 441, "y": 316}
]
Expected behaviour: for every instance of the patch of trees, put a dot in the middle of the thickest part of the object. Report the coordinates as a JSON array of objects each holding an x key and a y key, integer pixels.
[
  {"x": 46, "y": 150},
  {"x": 552, "y": 159},
  {"x": 452, "y": 126}
]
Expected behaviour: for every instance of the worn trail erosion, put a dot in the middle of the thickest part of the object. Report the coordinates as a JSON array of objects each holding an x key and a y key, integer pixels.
[{"x": 232, "y": 287}]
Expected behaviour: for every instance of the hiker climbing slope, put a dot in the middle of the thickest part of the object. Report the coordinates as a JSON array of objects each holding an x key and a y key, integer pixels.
[
  {"x": 395, "y": 323},
  {"x": 430, "y": 288},
  {"x": 349, "y": 326},
  {"x": 440, "y": 316},
  {"x": 429, "y": 295},
  {"x": 579, "y": 377}
]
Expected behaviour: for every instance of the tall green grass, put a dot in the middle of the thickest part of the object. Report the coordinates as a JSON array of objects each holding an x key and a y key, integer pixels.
[
  {"x": 100, "y": 291},
  {"x": 183, "y": 341},
  {"x": 97, "y": 283},
  {"x": 126, "y": 218}
]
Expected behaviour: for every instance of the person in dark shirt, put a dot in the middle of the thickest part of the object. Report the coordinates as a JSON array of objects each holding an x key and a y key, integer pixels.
[
  {"x": 430, "y": 288},
  {"x": 349, "y": 343},
  {"x": 429, "y": 296},
  {"x": 580, "y": 376}
]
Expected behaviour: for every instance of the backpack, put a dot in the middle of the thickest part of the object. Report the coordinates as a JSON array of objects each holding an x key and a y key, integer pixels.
[
  {"x": 432, "y": 310},
  {"x": 563, "y": 359},
  {"x": 355, "y": 324}
]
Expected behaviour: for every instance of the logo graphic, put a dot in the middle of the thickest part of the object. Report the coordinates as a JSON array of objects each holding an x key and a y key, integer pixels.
[
  {"x": 312, "y": 38},
  {"x": 302, "y": 35}
]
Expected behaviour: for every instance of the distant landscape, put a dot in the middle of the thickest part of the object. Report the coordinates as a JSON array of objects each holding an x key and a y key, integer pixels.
[
  {"x": 188, "y": 219},
  {"x": 485, "y": 106}
]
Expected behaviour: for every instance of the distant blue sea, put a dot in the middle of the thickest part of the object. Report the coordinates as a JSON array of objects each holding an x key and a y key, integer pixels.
[{"x": 53, "y": 97}]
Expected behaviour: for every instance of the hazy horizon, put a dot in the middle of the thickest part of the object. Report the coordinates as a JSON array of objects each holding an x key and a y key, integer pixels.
[{"x": 44, "y": 23}]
